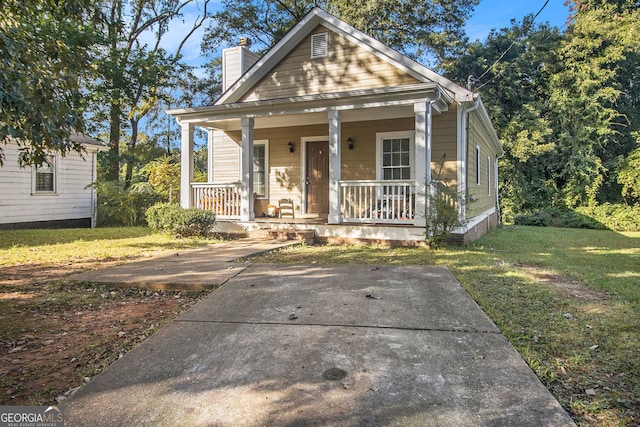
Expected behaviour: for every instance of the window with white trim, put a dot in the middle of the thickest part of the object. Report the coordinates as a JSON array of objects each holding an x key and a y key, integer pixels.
[
  {"x": 477, "y": 165},
  {"x": 319, "y": 45},
  {"x": 395, "y": 155},
  {"x": 260, "y": 168},
  {"x": 44, "y": 176}
]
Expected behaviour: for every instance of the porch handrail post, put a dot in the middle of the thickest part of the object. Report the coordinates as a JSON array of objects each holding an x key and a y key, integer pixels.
[
  {"x": 335, "y": 216},
  {"x": 186, "y": 165},
  {"x": 246, "y": 166}
]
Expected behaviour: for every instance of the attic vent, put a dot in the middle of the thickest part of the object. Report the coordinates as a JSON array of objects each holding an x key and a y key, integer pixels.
[{"x": 319, "y": 45}]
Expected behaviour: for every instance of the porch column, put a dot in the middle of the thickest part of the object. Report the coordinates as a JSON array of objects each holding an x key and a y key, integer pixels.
[
  {"x": 246, "y": 170},
  {"x": 423, "y": 138},
  {"x": 210, "y": 156},
  {"x": 186, "y": 165},
  {"x": 334, "y": 167}
]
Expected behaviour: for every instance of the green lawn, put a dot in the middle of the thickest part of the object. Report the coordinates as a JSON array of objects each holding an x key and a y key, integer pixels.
[
  {"x": 52, "y": 247},
  {"x": 567, "y": 299}
]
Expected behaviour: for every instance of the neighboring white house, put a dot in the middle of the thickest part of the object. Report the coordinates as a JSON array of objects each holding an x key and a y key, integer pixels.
[{"x": 55, "y": 194}]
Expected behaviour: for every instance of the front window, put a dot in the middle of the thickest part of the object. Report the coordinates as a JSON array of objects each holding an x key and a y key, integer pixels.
[
  {"x": 45, "y": 176},
  {"x": 260, "y": 168},
  {"x": 396, "y": 158},
  {"x": 395, "y": 155}
]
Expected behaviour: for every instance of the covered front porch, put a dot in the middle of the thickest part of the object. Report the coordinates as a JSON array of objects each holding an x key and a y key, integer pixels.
[{"x": 356, "y": 159}]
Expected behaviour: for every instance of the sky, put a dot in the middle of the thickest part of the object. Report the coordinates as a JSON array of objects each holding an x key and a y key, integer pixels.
[{"x": 498, "y": 14}]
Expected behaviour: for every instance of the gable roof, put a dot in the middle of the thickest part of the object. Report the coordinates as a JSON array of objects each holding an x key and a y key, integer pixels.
[{"x": 301, "y": 30}]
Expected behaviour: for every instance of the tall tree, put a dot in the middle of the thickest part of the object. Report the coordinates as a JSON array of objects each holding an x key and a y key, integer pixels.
[
  {"x": 595, "y": 96},
  {"x": 516, "y": 90},
  {"x": 135, "y": 70},
  {"x": 46, "y": 46},
  {"x": 424, "y": 30}
]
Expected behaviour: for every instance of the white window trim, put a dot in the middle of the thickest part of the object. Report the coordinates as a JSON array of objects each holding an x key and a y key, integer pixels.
[
  {"x": 478, "y": 165},
  {"x": 326, "y": 40},
  {"x": 54, "y": 192},
  {"x": 390, "y": 135},
  {"x": 264, "y": 142}
]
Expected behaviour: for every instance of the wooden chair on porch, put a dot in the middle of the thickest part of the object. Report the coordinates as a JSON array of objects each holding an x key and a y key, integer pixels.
[{"x": 286, "y": 208}]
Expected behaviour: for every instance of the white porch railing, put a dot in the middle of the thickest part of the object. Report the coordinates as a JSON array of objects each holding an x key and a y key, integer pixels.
[
  {"x": 378, "y": 202},
  {"x": 222, "y": 199}
]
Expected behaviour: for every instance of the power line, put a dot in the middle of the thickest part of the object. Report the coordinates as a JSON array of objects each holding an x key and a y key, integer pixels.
[{"x": 471, "y": 80}]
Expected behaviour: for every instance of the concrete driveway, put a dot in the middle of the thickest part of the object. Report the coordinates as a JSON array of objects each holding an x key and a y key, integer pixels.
[{"x": 315, "y": 345}]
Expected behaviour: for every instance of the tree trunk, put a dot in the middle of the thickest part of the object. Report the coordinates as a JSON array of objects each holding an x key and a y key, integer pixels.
[
  {"x": 113, "y": 170},
  {"x": 131, "y": 154}
]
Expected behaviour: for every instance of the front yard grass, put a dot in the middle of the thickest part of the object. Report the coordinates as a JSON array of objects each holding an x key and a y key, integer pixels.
[
  {"x": 568, "y": 300},
  {"x": 55, "y": 334}
]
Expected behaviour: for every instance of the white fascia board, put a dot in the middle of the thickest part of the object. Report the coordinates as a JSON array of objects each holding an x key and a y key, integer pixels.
[{"x": 316, "y": 17}]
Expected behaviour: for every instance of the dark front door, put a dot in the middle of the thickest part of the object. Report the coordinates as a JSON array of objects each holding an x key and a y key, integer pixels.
[{"x": 317, "y": 177}]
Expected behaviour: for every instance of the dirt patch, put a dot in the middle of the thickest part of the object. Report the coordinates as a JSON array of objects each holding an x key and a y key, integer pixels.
[
  {"x": 568, "y": 287},
  {"x": 56, "y": 335}
]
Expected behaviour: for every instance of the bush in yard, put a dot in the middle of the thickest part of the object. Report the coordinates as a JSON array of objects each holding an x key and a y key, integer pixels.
[
  {"x": 442, "y": 214},
  {"x": 557, "y": 217},
  {"x": 172, "y": 219},
  {"x": 617, "y": 217},
  {"x": 119, "y": 207}
]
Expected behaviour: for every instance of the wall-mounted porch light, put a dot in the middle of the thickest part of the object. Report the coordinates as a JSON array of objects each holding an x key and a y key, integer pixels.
[
  {"x": 292, "y": 148},
  {"x": 350, "y": 143}
]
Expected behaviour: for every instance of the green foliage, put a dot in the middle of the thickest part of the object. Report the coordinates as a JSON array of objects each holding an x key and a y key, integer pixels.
[
  {"x": 614, "y": 216},
  {"x": 45, "y": 46},
  {"x": 442, "y": 212},
  {"x": 135, "y": 74},
  {"x": 589, "y": 95},
  {"x": 164, "y": 175},
  {"x": 119, "y": 207},
  {"x": 629, "y": 175},
  {"x": 557, "y": 217},
  {"x": 170, "y": 218},
  {"x": 516, "y": 92}
]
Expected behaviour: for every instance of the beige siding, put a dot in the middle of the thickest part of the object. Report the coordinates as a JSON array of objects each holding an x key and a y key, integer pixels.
[
  {"x": 484, "y": 192},
  {"x": 358, "y": 164},
  {"x": 347, "y": 67},
  {"x": 226, "y": 157},
  {"x": 445, "y": 144},
  {"x": 72, "y": 200}
]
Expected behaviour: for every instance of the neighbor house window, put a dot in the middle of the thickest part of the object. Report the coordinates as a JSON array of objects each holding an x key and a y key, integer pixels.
[
  {"x": 395, "y": 152},
  {"x": 45, "y": 176},
  {"x": 260, "y": 169},
  {"x": 319, "y": 45}
]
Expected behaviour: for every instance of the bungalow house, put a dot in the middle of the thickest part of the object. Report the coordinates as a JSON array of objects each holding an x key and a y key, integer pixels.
[
  {"x": 54, "y": 194},
  {"x": 344, "y": 135}
]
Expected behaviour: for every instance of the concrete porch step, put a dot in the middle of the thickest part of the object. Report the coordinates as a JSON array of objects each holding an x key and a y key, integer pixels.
[{"x": 308, "y": 236}]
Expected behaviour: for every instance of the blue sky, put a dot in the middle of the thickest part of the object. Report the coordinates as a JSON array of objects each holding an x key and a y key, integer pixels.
[{"x": 498, "y": 14}]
